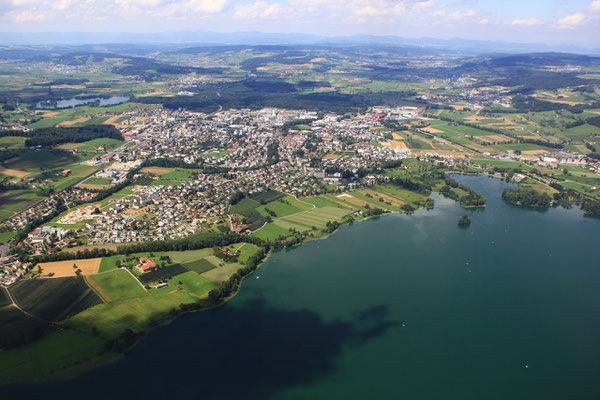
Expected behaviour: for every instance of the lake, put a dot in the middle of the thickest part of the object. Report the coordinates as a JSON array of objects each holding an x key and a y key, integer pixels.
[
  {"x": 399, "y": 307},
  {"x": 74, "y": 102}
]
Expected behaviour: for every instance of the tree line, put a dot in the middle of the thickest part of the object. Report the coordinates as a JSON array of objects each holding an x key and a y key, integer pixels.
[{"x": 47, "y": 137}]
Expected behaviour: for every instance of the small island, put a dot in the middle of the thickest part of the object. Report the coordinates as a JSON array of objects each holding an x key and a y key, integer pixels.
[{"x": 464, "y": 221}]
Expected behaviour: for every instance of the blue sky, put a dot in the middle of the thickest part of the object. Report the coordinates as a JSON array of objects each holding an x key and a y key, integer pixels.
[{"x": 544, "y": 21}]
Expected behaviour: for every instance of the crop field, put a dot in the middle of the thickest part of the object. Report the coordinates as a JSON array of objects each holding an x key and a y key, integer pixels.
[
  {"x": 97, "y": 181},
  {"x": 41, "y": 358},
  {"x": 193, "y": 283},
  {"x": 321, "y": 201},
  {"x": 54, "y": 299},
  {"x": 267, "y": 197},
  {"x": 503, "y": 164},
  {"x": 62, "y": 269},
  {"x": 584, "y": 189},
  {"x": 162, "y": 273},
  {"x": 246, "y": 251},
  {"x": 221, "y": 274},
  {"x": 271, "y": 232},
  {"x": 4, "y": 300},
  {"x": 14, "y": 201},
  {"x": 17, "y": 328},
  {"x": 37, "y": 160},
  {"x": 111, "y": 319},
  {"x": 317, "y": 217},
  {"x": 177, "y": 174},
  {"x": 200, "y": 266},
  {"x": 244, "y": 206},
  {"x": 116, "y": 285},
  {"x": 8, "y": 142},
  {"x": 400, "y": 193},
  {"x": 282, "y": 207},
  {"x": 189, "y": 255}
]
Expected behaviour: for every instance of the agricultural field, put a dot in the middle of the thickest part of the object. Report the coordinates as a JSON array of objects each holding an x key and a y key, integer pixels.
[
  {"x": 55, "y": 353},
  {"x": 139, "y": 313},
  {"x": 61, "y": 269},
  {"x": 317, "y": 218},
  {"x": 200, "y": 266},
  {"x": 54, "y": 299},
  {"x": 92, "y": 146},
  {"x": 16, "y": 327},
  {"x": 116, "y": 285},
  {"x": 14, "y": 201},
  {"x": 267, "y": 197},
  {"x": 222, "y": 273},
  {"x": 283, "y": 207},
  {"x": 4, "y": 299},
  {"x": 162, "y": 273},
  {"x": 9, "y": 142}
]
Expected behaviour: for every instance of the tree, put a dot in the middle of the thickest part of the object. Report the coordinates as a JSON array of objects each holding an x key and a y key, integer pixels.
[{"x": 464, "y": 221}]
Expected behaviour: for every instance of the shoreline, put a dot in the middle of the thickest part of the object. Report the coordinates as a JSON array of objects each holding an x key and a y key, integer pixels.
[{"x": 110, "y": 358}]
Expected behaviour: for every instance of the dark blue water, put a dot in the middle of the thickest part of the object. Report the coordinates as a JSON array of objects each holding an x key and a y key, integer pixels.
[{"x": 400, "y": 307}]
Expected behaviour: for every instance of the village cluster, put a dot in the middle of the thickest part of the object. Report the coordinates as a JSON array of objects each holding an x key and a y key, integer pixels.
[{"x": 235, "y": 150}]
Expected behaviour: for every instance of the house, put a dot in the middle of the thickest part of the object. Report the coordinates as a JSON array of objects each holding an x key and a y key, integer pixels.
[{"x": 146, "y": 264}]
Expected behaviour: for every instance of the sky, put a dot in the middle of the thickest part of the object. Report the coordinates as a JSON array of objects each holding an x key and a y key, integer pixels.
[{"x": 524, "y": 21}]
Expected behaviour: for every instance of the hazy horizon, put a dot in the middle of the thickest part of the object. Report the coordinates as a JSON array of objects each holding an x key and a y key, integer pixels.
[{"x": 550, "y": 22}]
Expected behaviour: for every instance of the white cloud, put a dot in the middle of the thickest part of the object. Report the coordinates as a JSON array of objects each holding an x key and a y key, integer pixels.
[
  {"x": 29, "y": 15},
  {"x": 61, "y": 4},
  {"x": 258, "y": 9},
  {"x": 571, "y": 21},
  {"x": 526, "y": 22},
  {"x": 484, "y": 21},
  {"x": 594, "y": 7},
  {"x": 207, "y": 6},
  {"x": 461, "y": 15}
]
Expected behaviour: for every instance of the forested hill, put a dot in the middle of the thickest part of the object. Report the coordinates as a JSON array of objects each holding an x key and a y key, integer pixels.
[{"x": 46, "y": 137}]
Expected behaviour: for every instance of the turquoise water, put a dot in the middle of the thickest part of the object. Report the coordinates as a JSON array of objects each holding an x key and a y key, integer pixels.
[{"x": 400, "y": 307}]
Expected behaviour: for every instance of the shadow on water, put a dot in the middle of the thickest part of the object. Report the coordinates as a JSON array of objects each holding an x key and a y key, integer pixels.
[{"x": 250, "y": 352}]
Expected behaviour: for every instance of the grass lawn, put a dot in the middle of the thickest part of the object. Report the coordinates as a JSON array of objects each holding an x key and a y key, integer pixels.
[{"x": 116, "y": 285}]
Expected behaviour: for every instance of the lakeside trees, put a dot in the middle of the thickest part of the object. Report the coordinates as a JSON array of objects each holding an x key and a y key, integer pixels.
[{"x": 527, "y": 197}]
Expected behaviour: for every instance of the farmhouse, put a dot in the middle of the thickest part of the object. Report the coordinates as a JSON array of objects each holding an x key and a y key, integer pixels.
[{"x": 146, "y": 264}]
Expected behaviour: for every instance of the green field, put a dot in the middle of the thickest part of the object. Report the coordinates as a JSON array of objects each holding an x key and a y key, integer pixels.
[
  {"x": 503, "y": 164},
  {"x": 282, "y": 207},
  {"x": 271, "y": 232},
  {"x": 111, "y": 319},
  {"x": 8, "y": 142},
  {"x": 115, "y": 285},
  {"x": 244, "y": 206},
  {"x": 193, "y": 283},
  {"x": 200, "y": 266},
  {"x": 56, "y": 353},
  {"x": 317, "y": 217}
]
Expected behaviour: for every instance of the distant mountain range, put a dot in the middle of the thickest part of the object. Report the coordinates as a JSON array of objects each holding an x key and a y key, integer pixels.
[{"x": 174, "y": 39}]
